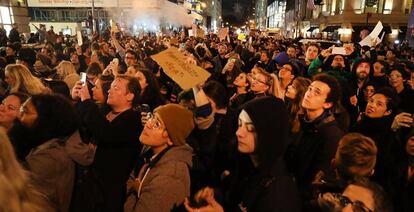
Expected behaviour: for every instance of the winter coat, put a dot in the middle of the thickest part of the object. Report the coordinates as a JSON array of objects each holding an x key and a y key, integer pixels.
[
  {"x": 53, "y": 172},
  {"x": 268, "y": 186},
  {"x": 389, "y": 150},
  {"x": 313, "y": 150},
  {"x": 163, "y": 186},
  {"x": 117, "y": 149}
]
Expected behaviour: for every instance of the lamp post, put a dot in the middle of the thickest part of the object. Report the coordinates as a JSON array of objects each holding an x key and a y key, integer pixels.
[{"x": 93, "y": 17}]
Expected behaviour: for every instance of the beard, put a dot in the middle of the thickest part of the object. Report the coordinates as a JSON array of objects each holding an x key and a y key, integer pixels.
[{"x": 362, "y": 76}]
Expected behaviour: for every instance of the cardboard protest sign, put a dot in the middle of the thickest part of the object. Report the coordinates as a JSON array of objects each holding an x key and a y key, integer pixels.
[
  {"x": 174, "y": 41},
  {"x": 200, "y": 33},
  {"x": 79, "y": 38},
  {"x": 223, "y": 32},
  {"x": 114, "y": 26},
  {"x": 372, "y": 38},
  {"x": 186, "y": 75}
]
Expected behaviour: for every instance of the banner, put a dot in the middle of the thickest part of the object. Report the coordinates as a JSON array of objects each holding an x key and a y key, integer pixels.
[
  {"x": 186, "y": 75},
  {"x": 79, "y": 38}
]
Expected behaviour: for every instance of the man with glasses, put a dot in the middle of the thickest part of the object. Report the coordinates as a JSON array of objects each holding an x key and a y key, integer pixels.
[
  {"x": 163, "y": 182},
  {"x": 318, "y": 139},
  {"x": 360, "y": 195},
  {"x": 131, "y": 58}
]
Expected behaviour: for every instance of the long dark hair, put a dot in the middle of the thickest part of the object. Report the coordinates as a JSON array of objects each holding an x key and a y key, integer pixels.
[
  {"x": 151, "y": 94},
  {"x": 301, "y": 84}
]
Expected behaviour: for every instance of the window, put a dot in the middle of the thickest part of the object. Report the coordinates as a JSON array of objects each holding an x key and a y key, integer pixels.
[{"x": 6, "y": 18}]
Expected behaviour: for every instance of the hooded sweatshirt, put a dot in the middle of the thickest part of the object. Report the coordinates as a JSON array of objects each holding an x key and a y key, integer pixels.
[
  {"x": 269, "y": 187},
  {"x": 163, "y": 186}
]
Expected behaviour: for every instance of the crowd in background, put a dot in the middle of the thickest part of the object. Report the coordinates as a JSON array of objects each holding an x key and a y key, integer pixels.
[{"x": 279, "y": 125}]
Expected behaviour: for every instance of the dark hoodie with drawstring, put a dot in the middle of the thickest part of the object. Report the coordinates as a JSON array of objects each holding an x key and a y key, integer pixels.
[{"x": 269, "y": 186}]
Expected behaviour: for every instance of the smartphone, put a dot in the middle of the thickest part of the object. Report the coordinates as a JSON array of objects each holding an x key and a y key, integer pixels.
[
  {"x": 197, "y": 204},
  {"x": 145, "y": 108},
  {"x": 116, "y": 61},
  {"x": 83, "y": 77}
]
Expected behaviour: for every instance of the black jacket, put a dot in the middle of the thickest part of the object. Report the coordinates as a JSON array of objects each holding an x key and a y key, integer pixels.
[
  {"x": 275, "y": 191},
  {"x": 389, "y": 150},
  {"x": 117, "y": 149},
  {"x": 268, "y": 186},
  {"x": 313, "y": 150}
]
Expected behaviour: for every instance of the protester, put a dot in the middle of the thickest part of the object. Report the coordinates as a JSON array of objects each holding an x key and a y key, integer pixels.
[
  {"x": 45, "y": 124},
  {"x": 315, "y": 147},
  {"x": 19, "y": 79},
  {"x": 267, "y": 186},
  {"x": 164, "y": 181},
  {"x": 10, "y": 109},
  {"x": 115, "y": 131}
]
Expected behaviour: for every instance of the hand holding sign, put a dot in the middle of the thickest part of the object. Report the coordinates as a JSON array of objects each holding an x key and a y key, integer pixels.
[
  {"x": 372, "y": 38},
  {"x": 174, "y": 64}
]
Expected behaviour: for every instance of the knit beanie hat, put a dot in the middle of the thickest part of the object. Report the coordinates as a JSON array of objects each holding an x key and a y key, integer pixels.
[
  {"x": 282, "y": 58},
  {"x": 177, "y": 120}
]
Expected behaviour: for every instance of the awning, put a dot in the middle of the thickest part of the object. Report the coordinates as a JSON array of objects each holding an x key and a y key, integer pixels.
[
  {"x": 331, "y": 28},
  {"x": 311, "y": 29}
]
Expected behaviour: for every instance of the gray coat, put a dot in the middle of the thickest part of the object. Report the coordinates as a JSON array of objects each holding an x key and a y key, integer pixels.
[
  {"x": 52, "y": 168},
  {"x": 165, "y": 185}
]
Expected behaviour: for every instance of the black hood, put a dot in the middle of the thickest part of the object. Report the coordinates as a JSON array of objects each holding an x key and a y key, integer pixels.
[{"x": 270, "y": 119}]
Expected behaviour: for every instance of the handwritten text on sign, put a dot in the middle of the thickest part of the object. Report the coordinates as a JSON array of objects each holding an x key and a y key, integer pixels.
[{"x": 186, "y": 75}]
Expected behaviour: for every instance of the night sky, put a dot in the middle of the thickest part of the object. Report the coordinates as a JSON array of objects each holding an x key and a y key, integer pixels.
[{"x": 236, "y": 15}]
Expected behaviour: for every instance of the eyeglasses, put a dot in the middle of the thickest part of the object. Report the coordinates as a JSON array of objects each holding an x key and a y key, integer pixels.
[
  {"x": 252, "y": 78},
  {"x": 153, "y": 122},
  {"x": 357, "y": 206}
]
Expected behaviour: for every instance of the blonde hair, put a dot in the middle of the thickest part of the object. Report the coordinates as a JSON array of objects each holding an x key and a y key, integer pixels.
[
  {"x": 64, "y": 69},
  {"x": 24, "y": 80},
  {"x": 16, "y": 192},
  {"x": 272, "y": 81}
]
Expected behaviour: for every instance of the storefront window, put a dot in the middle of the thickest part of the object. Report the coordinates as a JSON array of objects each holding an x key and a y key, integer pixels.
[{"x": 6, "y": 18}]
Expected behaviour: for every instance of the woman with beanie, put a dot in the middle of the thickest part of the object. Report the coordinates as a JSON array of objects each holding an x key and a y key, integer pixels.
[
  {"x": 163, "y": 182},
  {"x": 265, "y": 185}
]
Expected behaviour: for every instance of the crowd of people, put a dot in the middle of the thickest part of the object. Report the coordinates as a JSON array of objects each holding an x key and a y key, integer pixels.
[{"x": 278, "y": 126}]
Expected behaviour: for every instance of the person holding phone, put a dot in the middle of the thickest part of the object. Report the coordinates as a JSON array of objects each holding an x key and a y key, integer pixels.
[{"x": 115, "y": 131}]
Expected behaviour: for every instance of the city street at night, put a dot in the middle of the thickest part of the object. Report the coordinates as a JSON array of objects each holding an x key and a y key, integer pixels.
[{"x": 206, "y": 105}]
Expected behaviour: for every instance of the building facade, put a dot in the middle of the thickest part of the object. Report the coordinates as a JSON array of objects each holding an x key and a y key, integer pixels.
[
  {"x": 70, "y": 16},
  {"x": 275, "y": 14},
  {"x": 344, "y": 19},
  {"x": 14, "y": 12},
  {"x": 260, "y": 15}
]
